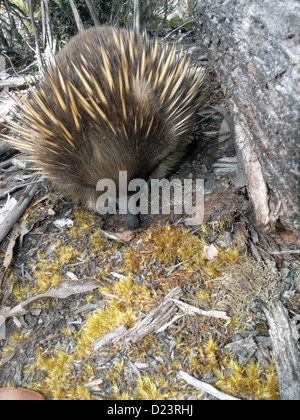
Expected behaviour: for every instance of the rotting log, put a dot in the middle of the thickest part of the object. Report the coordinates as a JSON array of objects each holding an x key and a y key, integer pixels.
[{"x": 254, "y": 47}]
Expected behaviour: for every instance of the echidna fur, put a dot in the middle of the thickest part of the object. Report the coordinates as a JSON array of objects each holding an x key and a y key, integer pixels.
[{"x": 111, "y": 101}]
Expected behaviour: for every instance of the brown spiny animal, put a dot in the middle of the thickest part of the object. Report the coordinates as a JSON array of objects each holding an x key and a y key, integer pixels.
[{"x": 112, "y": 100}]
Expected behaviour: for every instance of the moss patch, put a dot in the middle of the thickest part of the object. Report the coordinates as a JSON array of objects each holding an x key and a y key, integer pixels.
[{"x": 135, "y": 277}]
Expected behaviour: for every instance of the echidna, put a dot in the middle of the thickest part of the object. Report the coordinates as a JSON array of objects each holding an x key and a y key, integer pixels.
[{"x": 112, "y": 100}]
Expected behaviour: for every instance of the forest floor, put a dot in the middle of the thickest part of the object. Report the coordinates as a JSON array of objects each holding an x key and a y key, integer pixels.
[{"x": 222, "y": 274}]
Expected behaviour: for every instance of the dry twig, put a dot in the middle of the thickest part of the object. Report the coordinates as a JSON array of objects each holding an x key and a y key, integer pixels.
[
  {"x": 17, "y": 212},
  {"x": 63, "y": 289},
  {"x": 152, "y": 322},
  {"x": 157, "y": 320},
  {"x": 192, "y": 310},
  {"x": 209, "y": 389}
]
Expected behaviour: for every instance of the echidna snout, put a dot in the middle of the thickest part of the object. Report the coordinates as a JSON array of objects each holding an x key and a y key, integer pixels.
[{"x": 111, "y": 101}]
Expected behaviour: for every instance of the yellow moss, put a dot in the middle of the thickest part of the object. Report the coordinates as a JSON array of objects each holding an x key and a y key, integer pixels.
[
  {"x": 60, "y": 382},
  {"x": 203, "y": 295},
  {"x": 158, "y": 387},
  {"x": 67, "y": 331},
  {"x": 21, "y": 293},
  {"x": 155, "y": 262},
  {"x": 125, "y": 301},
  {"x": 45, "y": 274},
  {"x": 100, "y": 323},
  {"x": 126, "y": 293},
  {"x": 118, "y": 395},
  {"x": 85, "y": 221},
  {"x": 17, "y": 339},
  {"x": 112, "y": 375},
  {"x": 147, "y": 388},
  {"x": 65, "y": 254},
  {"x": 252, "y": 382},
  {"x": 166, "y": 245},
  {"x": 98, "y": 242},
  {"x": 221, "y": 225},
  {"x": 211, "y": 350},
  {"x": 272, "y": 383}
]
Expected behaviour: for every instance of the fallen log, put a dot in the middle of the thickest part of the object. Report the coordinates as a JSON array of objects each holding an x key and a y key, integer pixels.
[
  {"x": 254, "y": 49},
  {"x": 284, "y": 338}
]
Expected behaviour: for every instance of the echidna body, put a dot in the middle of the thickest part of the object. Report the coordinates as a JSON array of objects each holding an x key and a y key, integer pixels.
[{"x": 111, "y": 101}]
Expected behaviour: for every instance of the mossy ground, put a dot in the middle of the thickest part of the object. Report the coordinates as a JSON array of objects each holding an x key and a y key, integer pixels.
[{"x": 148, "y": 267}]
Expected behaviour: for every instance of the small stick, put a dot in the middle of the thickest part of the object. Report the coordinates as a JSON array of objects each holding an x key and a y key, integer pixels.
[
  {"x": 291, "y": 251},
  {"x": 17, "y": 212},
  {"x": 18, "y": 187},
  {"x": 192, "y": 310},
  {"x": 203, "y": 386},
  {"x": 6, "y": 163},
  {"x": 157, "y": 318},
  {"x": 175, "y": 30}
]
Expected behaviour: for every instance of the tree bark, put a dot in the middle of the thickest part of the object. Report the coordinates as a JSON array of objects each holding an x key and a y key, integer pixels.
[
  {"x": 77, "y": 17},
  {"x": 137, "y": 16},
  {"x": 13, "y": 32},
  {"x": 284, "y": 338},
  {"x": 93, "y": 12},
  {"x": 37, "y": 46},
  {"x": 49, "y": 37},
  {"x": 254, "y": 48},
  {"x": 165, "y": 11}
]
